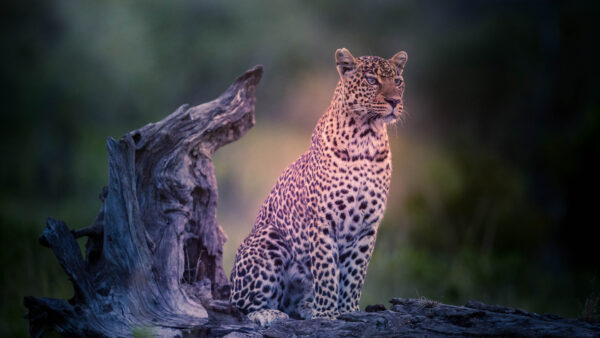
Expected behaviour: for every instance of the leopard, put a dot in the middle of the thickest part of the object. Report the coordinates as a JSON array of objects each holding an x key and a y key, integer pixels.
[{"x": 308, "y": 251}]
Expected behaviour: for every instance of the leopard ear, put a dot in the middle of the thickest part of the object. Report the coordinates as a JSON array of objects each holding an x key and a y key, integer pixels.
[
  {"x": 399, "y": 59},
  {"x": 345, "y": 62}
]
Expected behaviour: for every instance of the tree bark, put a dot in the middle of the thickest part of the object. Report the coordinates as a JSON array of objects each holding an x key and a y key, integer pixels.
[{"x": 153, "y": 257}]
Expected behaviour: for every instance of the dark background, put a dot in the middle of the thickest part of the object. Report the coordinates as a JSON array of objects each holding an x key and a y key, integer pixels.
[{"x": 494, "y": 193}]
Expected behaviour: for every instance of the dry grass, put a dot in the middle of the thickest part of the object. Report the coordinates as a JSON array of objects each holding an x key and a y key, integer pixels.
[{"x": 427, "y": 303}]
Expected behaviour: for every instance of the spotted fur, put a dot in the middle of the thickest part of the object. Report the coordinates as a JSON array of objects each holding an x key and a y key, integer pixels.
[{"x": 308, "y": 252}]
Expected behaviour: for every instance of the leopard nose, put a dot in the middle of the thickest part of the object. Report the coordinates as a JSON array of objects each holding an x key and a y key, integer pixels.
[{"x": 392, "y": 102}]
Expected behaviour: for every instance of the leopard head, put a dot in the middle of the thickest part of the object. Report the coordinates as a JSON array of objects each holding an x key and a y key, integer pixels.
[{"x": 371, "y": 86}]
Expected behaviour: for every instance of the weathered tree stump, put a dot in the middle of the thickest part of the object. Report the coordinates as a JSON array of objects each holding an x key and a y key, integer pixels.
[{"x": 154, "y": 253}]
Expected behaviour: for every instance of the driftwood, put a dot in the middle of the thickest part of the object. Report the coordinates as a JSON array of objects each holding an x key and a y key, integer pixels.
[{"x": 153, "y": 258}]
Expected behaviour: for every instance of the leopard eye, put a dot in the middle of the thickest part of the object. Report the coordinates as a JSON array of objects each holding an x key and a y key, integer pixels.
[
  {"x": 371, "y": 80},
  {"x": 398, "y": 81}
]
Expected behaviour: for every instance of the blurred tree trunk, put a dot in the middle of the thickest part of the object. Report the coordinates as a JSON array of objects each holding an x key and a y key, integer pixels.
[{"x": 153, "y": 262}]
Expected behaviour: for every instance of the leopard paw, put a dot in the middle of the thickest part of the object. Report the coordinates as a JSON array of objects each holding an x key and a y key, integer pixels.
[{"x": 266, "y": 317}]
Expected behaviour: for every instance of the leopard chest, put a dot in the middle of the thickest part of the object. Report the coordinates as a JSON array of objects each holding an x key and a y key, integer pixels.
[{"x": 356, "y": 196}]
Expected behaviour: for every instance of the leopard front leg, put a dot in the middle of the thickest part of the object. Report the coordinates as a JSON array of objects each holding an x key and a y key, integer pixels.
[
  {"x": 325, "y": 273},
  {"x": 354, "y": 260}
]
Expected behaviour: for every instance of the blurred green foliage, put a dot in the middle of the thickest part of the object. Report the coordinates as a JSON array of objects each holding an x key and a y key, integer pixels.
[{"x": 493, "y": 193}]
